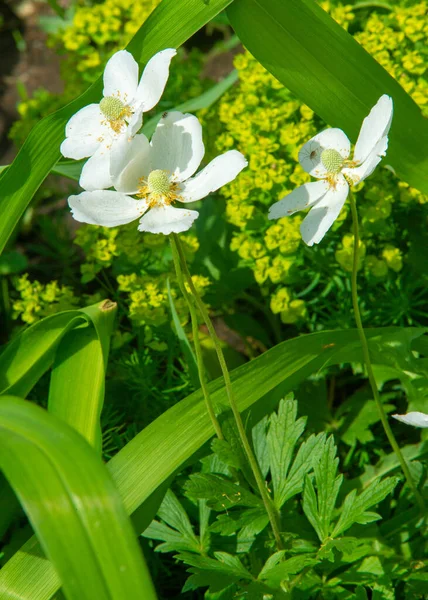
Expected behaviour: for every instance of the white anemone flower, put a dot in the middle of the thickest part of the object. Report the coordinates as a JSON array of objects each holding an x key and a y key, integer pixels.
[
  {"x": 150, "y": 177},
  {"x": 93, "y": 130},
  {"x": 417, "y": 419},
  {"x": 326, "y": 157}
]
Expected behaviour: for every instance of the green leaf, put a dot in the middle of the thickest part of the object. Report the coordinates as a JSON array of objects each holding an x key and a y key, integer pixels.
[
  {"x": 85, "y": 531},
  {"x": 162, "y": 448},
  {"x": 219, "y": 491},
  {"x": 169, "y": 26},
  {"x": 284, "y": 432},
  {"x": 79, "y": 400},
  {"x": 254, "y": 520},
  {"x": 216, "y": 573},
  {"x": 12, "y": 262},
  {"x": 179, "y": 536},
  {"x": 184, "y": 342},
  {"x": 319, "y": 505},
  {"x": 276, "y": 573},
  {"x": 29, "y": 355},
  {"x": 326, "y": 68},
  {"x": 354, "y": 507}
]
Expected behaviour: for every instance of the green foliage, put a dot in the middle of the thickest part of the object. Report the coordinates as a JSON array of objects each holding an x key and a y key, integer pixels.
[{"x": 238, "y": 557}]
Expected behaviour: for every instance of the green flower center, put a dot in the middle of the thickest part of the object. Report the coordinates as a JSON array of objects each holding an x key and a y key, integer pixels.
[
  {"x": 332, "y": 160},
  {"x": 112, "y": 108},
  {"x": 158, "y": 182}
]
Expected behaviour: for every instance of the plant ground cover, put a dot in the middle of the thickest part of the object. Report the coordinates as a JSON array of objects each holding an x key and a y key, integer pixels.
[{"x": 127, "y": 336}]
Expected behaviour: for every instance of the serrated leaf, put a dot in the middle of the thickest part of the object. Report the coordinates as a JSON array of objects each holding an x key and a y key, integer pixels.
[
  {"x": 319, "y": 505},
  {"x": 179, "y": 535},
  {"x": 354, "y": 506},
  {"x": 253, "y": 519},
  {"x": 261, "y": 449},
  {"x": 284, "y": 432},
  {"x": 277, "y": 573},
  {"x": 224, "y": 451},
  {"x": 309, "y": 451},
  {"x": 216, "y": 573},
  {"x": 220, "y": 492}
]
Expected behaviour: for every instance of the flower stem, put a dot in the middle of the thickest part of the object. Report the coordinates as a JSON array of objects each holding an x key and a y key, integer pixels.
[
  {"x": 269, "y": 506},
  {"x": 195, "y": 331},
  {"x": 366, "y": 355}
]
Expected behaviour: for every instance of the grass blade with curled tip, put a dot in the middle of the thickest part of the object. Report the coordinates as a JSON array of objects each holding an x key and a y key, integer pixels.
[{"x": 76, "y": 391}]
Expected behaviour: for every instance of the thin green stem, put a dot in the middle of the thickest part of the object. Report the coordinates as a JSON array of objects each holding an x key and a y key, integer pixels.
[
  {"x": 269, "y": 506},
  {"x": 195, "y": 331},
  {"x": 366, "y": 355}
]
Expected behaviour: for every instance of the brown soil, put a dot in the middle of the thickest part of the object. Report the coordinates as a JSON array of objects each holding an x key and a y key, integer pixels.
[{"x": 24, "y": 60}]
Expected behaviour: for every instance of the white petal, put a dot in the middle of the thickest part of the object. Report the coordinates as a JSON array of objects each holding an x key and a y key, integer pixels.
[
  {"x": 375, "y": 126},
  {"x": 417, "y": 419},
  {"x": 129, "y": 161},
  {"x": 324, "y": 212},
  {"x": 310, "y": 153},
  {"x": 135, "y": 122},
  {"x": 95, "y": 174},
  {"x": 177, "y": 145},
  {"x": 153, "y": 80},
  {"x": 218, "y": 172},
  {"x": 357, "y": 174},
  {"x": 79, "y": 147},
  {"x": 121, "y": 76},
  {"x": 83, "y": 132},
  {"x": 106, "y": 208},
  {"x": 299, "y": 199},
  {"x": 166, "y": 219}
]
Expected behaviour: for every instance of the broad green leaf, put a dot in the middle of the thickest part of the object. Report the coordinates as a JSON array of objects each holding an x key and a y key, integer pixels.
[
  {"x": 29, "y": 355},
  {"x": 184, "y": 342},
  {"x": 78, "y": 400},
  {"x": 162, "y": 448},
  {"x": 354, "y": 509},
  {"x": 169, "y": 26},
  {"x": 319, "y": 504},
  {"x": 326, "y": 68},
  {"x": 84, "y": 529}
]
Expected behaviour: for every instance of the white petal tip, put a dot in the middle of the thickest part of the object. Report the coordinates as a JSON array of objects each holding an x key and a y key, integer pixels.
[{"x": 417, "y": 419}]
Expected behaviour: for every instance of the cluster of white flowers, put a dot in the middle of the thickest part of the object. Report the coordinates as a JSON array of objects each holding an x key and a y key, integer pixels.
[{"x": 146, "y": 177}]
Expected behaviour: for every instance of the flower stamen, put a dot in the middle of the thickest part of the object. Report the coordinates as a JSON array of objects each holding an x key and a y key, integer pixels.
[
  {"x": 158, "y": 189},
  {"x": 115, "y": 112},
  {"x": 332, "y": 160}
]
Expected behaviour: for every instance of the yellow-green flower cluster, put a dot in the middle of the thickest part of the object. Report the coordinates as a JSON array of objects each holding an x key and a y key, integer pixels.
[
  {"x": 96, "y": 32},
  {"x": 263, "y": 120},
  {"x": 141, "y": 267},
  {"x": 38, "y": 300}
]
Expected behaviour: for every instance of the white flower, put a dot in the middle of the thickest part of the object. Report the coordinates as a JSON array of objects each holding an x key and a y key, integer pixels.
[
  {"x": 326, "y": 157},
  {"x": 417, "y": 419},
  {"x": 94, "y": 129},
  {"x": 150, "y": 177}
]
